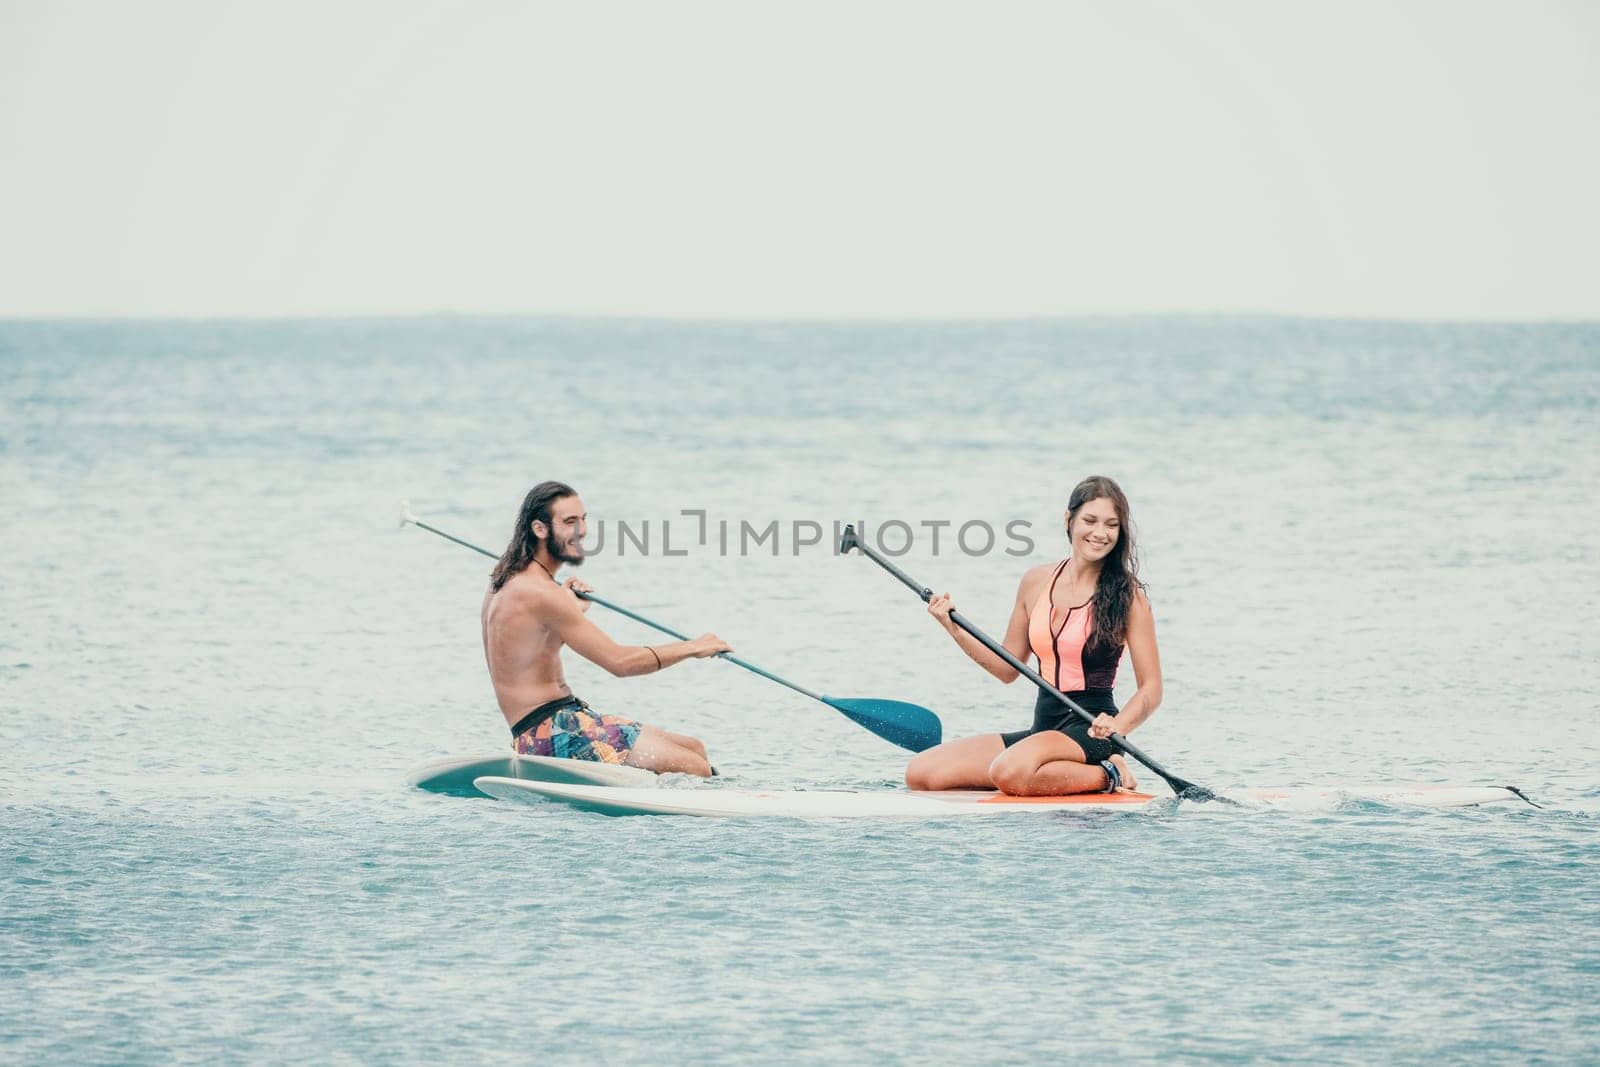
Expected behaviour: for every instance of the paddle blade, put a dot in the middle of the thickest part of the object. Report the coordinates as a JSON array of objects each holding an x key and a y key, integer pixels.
[
  {"x": 910, "y": 726},
  {"x": 1198, "y": 793}
]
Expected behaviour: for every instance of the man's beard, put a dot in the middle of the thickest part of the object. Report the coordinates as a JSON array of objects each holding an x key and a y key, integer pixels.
[{"x": 568, "y": 552}]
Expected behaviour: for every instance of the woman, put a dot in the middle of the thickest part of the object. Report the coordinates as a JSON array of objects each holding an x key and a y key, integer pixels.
[{"x": 1075, "y": 617}]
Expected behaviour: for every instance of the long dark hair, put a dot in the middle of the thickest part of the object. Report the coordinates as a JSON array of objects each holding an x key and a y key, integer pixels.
[
  {"x": 524, "y": 543},
  {"x": 1119, "y": 572}
]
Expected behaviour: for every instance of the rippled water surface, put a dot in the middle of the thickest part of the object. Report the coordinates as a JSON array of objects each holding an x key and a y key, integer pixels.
[{"x": 1371, "y": 549}]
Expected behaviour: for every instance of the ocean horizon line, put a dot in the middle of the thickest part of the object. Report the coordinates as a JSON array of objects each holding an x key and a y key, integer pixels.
[{"x": 820, "y": 321}]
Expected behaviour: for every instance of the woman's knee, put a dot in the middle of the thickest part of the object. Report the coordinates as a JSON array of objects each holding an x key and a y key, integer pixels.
[{"x": 1010, "y": 776}]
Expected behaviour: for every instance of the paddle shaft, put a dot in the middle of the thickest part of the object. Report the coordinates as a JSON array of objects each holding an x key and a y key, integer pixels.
[
  {"x": 1179, "y": 785},
  {"x": 669, "y": 631}
]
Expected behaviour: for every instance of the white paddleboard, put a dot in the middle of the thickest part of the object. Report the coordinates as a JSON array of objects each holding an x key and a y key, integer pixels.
[
  {"x": 1409, "y": 796},
  {"x": 820, "y": 804},
  {"x": 891, "y": 803},
  {"x": 455, "y": 776}
]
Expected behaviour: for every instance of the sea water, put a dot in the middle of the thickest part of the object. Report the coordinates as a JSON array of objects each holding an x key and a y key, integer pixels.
[{"x": 1373, "y": 552}]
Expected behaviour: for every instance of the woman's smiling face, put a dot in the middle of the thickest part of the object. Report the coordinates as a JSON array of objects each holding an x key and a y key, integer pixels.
[{"x": 1094, "y": 530}]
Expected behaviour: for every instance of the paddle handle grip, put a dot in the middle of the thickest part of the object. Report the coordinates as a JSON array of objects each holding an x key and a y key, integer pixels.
[
  {"x": 850, "y": 539},
  {"x": 413, "y": 520}
]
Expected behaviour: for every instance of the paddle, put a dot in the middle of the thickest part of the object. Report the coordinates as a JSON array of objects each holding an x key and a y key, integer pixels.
[
  {"x": 910, "y": 726},
  {"x": 1186, "y": 789}
]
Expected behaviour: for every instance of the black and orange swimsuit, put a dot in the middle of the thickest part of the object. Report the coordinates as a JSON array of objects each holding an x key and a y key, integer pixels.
[{"x": 1083, "y": 670}]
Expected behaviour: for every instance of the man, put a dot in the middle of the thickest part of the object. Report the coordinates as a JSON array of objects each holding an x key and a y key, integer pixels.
[{"x": 529, "y": 615}]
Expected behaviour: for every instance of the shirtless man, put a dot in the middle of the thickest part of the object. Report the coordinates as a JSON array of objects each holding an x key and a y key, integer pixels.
[{"x": 528, "y": 615}]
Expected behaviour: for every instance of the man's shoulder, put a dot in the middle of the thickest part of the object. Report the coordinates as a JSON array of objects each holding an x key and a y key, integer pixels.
[{"x": 525, "y": 593}]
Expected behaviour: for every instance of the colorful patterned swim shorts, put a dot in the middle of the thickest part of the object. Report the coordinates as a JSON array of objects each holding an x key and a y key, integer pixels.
[{"x": 577, "y": 731}]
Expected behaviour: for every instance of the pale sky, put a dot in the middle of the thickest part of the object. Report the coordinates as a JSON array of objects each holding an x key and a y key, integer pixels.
[{"x": 746, "y": 159}]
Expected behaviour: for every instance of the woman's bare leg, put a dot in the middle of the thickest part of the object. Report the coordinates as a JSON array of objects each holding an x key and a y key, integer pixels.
[
  {"x": 1051, "y": 764},
  {"x": 962, "y": 764}
]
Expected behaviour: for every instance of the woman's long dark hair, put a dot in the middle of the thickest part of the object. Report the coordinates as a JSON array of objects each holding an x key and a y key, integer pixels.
[
  {"x": 1119, "y": 572},
  {"x": 524, "y": 544}
]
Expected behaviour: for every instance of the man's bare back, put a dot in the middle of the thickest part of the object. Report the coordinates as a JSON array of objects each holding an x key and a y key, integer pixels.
[
  {"x": 524, "y": 654},
  {"x": 528, "y": 617}
]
